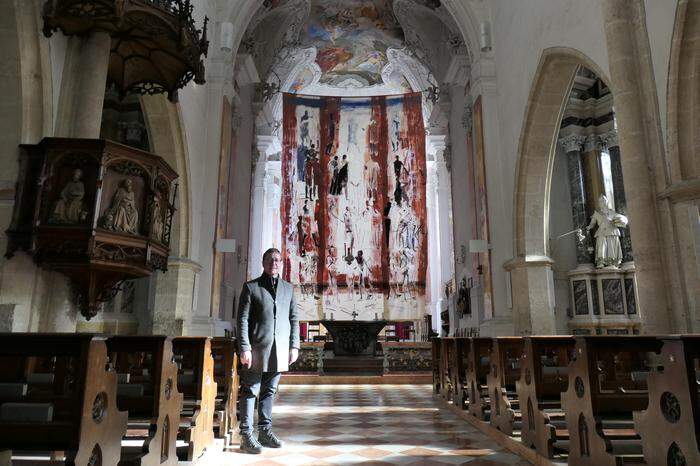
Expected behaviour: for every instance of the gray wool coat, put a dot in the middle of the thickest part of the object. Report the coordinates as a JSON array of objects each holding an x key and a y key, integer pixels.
[{"x": 264, "y": 319}]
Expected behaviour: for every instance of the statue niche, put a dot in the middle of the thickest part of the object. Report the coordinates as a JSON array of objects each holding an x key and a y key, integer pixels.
[
  {"x": 122, "y": 215},
  {"x": 70, "y": 208}
]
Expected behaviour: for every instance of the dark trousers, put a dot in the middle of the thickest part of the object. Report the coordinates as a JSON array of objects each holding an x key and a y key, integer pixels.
[{"x": 261, "y": 385}]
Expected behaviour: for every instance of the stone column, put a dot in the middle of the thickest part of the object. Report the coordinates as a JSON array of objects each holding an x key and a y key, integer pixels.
[
  {"x": 611, "y": 141},
  {"x": 640, "y": 146},
  {"x": 434, "y": 283},
  {"x": 83, "y": 86},
  {"x": 592, "y": 173},
  {"x": 533, "y": 295},
  {"x": 572, "y": 145},
  {"x": 257, "y": 207},
  {"x": 267, "y": 145},
  {"x": 271, "y": 228}
]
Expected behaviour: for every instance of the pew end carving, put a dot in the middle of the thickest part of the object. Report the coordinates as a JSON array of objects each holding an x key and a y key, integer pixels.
[
  {"x": 477, "y": 370},
  {"x": 196, "y": 383},
  {"x": 505, "y": 408},
  {"x": 543, "y": 378},
  {"x": 66, "y": 400},
  {"x": 226, "y": 377},
  {"x": 607, "y": 383},
  {"x": 670, "y": 425}
]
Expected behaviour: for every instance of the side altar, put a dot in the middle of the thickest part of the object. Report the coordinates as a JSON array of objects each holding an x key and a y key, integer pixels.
[{"x": 354, "y": 347}]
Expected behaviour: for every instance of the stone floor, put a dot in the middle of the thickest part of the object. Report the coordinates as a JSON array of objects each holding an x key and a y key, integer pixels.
[{"x": 369, "y": 424}]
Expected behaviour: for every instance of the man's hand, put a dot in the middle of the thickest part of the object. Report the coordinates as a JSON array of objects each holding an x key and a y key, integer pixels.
[
  {"x": 247, "y": 358},
  {"x": 293, "y": 355}
]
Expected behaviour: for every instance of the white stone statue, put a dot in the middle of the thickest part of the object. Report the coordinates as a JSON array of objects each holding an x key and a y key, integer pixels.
[
  {"x": 608, "y": 252},
  {"x": 70, "y": 209},
  {"x": 122, "y": 214}
]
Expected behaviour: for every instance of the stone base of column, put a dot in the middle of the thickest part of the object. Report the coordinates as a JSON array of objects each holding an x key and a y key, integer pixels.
[
  {"x": 207, "y": 326},
  {"x": 533, "y": 295},
  {"x": 174, "y": 297}
]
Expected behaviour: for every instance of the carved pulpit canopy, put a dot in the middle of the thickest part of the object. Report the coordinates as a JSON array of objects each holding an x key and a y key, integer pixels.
[
  {"x": 95, "y": 210},
  {"x": 156, "y": 47}
]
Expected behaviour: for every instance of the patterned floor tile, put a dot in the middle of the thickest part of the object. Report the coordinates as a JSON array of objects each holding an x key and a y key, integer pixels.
[{"x": 369, "y": 425}]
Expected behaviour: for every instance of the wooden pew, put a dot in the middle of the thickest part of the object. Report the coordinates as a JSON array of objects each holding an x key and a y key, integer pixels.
[
  {"x": 607, "y": 383},
  {"x": 195, "y": 381},
  {"x": 505, "y": 371},
  {"x": 462, "y": 348},
  {"x": 478, "y": 367},
  {"x": 437, "y": 367},
  {"x": 670, "y": 426},
  {"x": 59, "y": 396},
  {"x": 446, "y": 360},
  {"x": 226, "y": 376},
  {"x": 148, "y": 391},
  {"x": 543, "y": 378}
]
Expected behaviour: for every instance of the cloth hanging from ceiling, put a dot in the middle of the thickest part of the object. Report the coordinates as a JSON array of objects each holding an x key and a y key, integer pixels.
[{"x": 354, "y": 230}]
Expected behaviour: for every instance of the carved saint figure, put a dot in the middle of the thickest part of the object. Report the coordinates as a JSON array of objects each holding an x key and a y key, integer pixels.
[
  {"x": 608, "y": 251},
  {"x": 156, "y": 219},
  {"x": 122, "y": 214},
  {"x": 69, "y": 208}
]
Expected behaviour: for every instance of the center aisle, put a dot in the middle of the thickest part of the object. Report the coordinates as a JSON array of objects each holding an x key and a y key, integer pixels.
[{"x": 369, "y": 424}]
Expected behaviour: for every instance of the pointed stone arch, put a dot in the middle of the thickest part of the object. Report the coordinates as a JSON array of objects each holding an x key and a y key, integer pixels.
[{"x": 532, "y": 285}]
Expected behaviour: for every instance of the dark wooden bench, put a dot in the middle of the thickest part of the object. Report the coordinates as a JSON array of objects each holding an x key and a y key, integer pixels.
[
  {"x": 147, "y": 389},
  {"x": 506, "y": 353},
  {"x": 607, "y": 383},
  {"x": 670, "y": 426},
  {"x": 543, "y": 378},
  {"x": 437, "y": 368},
  {"x": 446, "y": 363},
  {"x": 226, "y": 376},
  {"x": 195, "y": 381},
  {"x": 59, "y": 395},
  {"x": 477, "y": 370},
  {"x": 459, "y": 372}
]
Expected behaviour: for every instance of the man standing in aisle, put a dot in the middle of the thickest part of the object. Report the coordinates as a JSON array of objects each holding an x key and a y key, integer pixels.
[{"x": 268, "y": 341}]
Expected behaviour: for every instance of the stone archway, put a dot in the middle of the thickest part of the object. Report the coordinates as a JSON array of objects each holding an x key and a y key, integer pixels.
[
  {"x": 680, "y": 200},
  {"x": 25, "y": 83},
  {"x": 531, "y": 269},
  {"x": 174, "y": 290}
]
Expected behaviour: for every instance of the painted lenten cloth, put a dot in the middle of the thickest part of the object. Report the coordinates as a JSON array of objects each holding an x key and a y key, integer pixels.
[{"x": 353, "y": 206}]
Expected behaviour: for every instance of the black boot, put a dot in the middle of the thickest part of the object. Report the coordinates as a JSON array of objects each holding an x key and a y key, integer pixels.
[
  {"x": 267, "y": 438},
  {"x": 249, "y": 444}
]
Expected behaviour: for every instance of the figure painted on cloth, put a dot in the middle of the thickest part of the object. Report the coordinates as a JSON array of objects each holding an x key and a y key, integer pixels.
[
  {"x": 70, "y": 209},
  {"x": 608, "y": 252},
  {"x": 332, "y": 269},
  {"x": 122, "y": 214}
]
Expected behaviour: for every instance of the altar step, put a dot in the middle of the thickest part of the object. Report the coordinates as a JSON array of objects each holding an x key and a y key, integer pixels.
[{"x": 353, "y": 365}]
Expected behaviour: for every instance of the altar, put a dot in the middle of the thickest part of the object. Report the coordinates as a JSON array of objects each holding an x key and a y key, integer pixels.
[
  {"x": 354, "y": 337},
  {"x": 354, "y": 349}
]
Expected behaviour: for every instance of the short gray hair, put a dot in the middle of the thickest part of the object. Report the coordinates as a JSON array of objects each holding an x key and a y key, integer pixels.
[{"x": 270, "y": 251}]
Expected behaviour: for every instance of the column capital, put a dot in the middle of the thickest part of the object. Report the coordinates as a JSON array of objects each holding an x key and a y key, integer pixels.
[
  {"x": 609, "y": 139},
  {"x": 572, "y": 142},
  {"x": 435, "y": 143},
  {"x": 593, "y": 143},
  {"x": 268, "y": 144}
]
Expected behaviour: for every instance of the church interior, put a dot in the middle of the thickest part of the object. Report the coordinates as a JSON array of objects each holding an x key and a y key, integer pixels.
[{"x": 489, "y": 211}]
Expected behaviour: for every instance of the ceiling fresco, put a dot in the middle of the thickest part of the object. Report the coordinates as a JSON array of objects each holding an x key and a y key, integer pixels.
[{"x": 352, "y": 37}]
